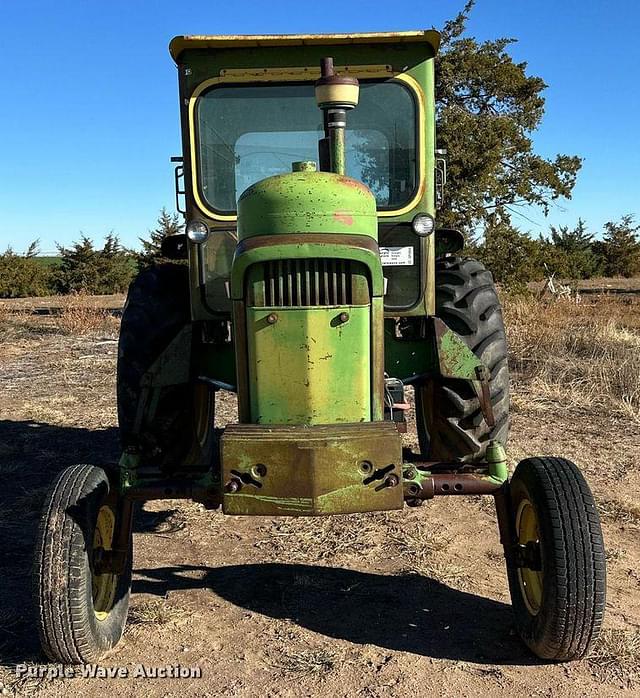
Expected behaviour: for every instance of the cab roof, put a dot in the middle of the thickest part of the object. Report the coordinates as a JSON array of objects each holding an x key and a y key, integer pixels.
[{"x": 182, "y": 43}]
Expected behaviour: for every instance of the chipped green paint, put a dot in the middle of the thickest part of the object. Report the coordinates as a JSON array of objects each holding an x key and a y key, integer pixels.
[
  {"x": 405, "y": 358},
  {"x": 307, "y": 202},
  {"x": 309, "y": 367},
  {"x": 240, "y": 502},
  {"x": 414, "y": 475},
  {"x": 127, "y": 470},
  {"x": 337, "y": 150},
  {"x": 455, "y": 357},
  {"x": 497, "y": 460},
  {"x": 441, "y": 351}
]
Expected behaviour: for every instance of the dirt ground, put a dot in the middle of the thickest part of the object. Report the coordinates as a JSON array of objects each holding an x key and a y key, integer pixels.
[{"x": 404, "y": 603}]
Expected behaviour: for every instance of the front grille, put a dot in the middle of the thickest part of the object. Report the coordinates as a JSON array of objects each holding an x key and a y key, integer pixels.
[{"x": 307, "y": 282}]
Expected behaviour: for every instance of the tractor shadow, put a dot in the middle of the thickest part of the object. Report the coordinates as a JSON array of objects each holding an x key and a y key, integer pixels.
[
  {"x": 31, "y": 456},
  {"x": 406, "y": 613}
]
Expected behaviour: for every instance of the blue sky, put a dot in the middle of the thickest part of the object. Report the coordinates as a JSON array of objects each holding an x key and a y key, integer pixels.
[{"x": 89, "y": 111}]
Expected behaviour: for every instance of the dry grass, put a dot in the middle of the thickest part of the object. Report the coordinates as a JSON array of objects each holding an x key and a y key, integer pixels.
[
  {"x": 614, "y": 555},
  {"x": 380, "y": 535},
  {"x": 78, "y": 317},
  {"x": 625, "y": 511},
  {"x": 12, "y": 325},
  {"x": 307, "y": 661},
  {"x": 323, "y": 538},
  {"x": 155, "y": 612},
  {"x": 579, "y": 355},
  {"x": 424, "y": 552},
  {"x": 616, "y": 656}
]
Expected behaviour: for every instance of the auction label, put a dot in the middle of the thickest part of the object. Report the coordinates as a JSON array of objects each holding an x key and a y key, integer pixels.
[
  {"x": 396, "y": 256},
  {"x": 96, "y": 671}
]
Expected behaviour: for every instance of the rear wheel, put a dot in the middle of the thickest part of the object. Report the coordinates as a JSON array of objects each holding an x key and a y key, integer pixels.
[
  {"x": 558, "y": 584},
  {"x": 181, "y": 428},
  {"x": 81, "y": 612},
  {"x": 450, "y": 422}
]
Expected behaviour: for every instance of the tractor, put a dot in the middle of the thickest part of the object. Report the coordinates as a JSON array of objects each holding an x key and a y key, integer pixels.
[{"x": 312, "y": 281}]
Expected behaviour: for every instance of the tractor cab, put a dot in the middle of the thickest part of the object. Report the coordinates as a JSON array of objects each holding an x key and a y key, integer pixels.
[{"x": 249, "y": 111}]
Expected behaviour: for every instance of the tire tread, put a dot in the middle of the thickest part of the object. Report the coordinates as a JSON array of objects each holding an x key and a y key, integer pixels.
[{"x": 573, "y": 551}]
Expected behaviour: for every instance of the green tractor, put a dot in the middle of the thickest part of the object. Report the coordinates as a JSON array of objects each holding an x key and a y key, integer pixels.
[{"x": 317, "y": 287}]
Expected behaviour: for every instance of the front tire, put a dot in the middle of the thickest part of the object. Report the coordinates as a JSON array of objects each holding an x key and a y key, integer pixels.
[
  {"x": 81, "y": 614},
  {"x": 559, "y": 590}
]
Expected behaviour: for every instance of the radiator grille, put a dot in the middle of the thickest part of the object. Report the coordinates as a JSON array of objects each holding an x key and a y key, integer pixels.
[{"x": 307, "y": 282}]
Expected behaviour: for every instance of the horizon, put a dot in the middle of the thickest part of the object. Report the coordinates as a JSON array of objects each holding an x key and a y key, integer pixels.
[{"x": 91, "y": 110}]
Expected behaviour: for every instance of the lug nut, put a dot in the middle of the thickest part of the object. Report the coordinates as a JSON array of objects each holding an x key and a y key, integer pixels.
[
  {"x": 233, "y": 485},
  {"x": 410, "y": 473},
  {"x": 272, "y": 319},
  {"x": 392, "y": 481}
]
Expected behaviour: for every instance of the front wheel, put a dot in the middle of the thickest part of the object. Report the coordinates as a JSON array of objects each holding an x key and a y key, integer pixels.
[
  {"x": 81, "y": 613},
  {"x": 558, "y": 575}
]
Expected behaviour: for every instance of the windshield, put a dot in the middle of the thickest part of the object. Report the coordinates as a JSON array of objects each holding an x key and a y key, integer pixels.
[{"x": 248, "y": 132}]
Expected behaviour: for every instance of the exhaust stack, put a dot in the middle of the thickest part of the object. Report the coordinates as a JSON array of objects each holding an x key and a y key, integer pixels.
[{"x": 335, "y": 95}]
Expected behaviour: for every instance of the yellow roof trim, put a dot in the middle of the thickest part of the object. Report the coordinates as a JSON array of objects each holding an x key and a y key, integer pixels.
[{"x": 181, "y": 43}]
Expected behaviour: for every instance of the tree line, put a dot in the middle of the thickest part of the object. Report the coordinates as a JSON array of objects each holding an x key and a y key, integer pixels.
[
  {"x": 516, "y": 257},
  {"x": 513, "y": 256},
  {"x": 82, "y": 267}
]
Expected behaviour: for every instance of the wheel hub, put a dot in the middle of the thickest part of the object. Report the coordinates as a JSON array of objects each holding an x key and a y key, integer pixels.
[
  {"x": 103, "y": 584},
  {"x": 528, "y": 557}
]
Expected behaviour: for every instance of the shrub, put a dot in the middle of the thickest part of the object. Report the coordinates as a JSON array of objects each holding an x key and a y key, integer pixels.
[
  {"x": 620, "y": 250},
  {"x": 86, "y": 270},
  {"x": 512, "y": 256},
  {"x": 167, "y": 224},
  {"x": 24, "y": 275}
]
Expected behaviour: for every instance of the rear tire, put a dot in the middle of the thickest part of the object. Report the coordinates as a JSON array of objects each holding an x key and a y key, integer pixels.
[
  {"x": 81, "y": 615},
  {"x": 451, "y": 425},
  {"x": 559, "y": 608},
  {"x": 157, "y": 309}
]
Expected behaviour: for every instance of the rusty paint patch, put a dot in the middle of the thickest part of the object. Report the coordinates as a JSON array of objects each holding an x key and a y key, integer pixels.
[
  {"x": 344, "y": 218},
  {"x": 353, "y": 184}
]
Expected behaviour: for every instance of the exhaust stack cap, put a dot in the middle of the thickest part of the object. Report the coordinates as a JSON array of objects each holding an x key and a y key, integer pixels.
[{"x": 335, "y": 91}]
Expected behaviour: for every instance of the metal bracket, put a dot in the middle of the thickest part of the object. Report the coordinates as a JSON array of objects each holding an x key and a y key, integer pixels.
[
  {"x": 173, "y": 366},
  {"x": 456, "y": 360},
  {"x": 481, "y": 388}
]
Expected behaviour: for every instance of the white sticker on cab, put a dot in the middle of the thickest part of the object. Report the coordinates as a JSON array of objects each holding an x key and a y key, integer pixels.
[{"x": 396, "y": 256}]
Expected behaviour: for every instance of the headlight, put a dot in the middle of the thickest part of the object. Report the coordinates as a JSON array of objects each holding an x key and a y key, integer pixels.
[
  {"x": 423, "y": 224},
  {"x": 197, "y": 231}
]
